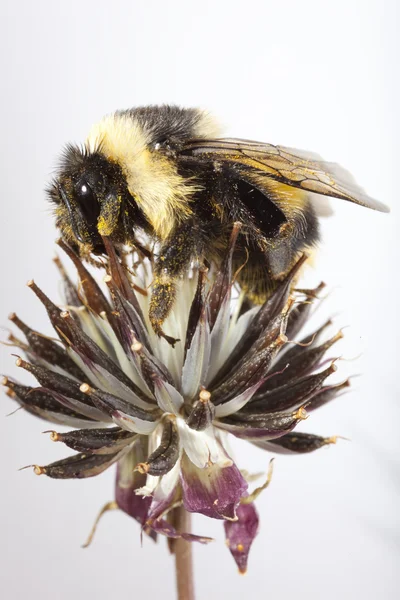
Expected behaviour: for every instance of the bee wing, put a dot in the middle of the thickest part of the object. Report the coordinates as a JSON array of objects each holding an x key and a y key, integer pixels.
[{"x": 296, "y": 168}]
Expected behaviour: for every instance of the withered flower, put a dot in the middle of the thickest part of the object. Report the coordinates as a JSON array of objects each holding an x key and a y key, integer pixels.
[{"x": 162, "y": 414}]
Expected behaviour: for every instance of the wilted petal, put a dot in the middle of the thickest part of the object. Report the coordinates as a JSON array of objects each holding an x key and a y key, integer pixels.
[
  {"x": 150, "y": 367},
  {"x": 53, "y": 311},
  {"x": 300, "y": 365},
  {"x": 213, "y": 491},
  {"x": 166, "y": 454},
  {"x": 202, "y": 414},
  {"x": 251, "y": 372},
  {"x": 300, "y": 314},
  {"x": 290, "y": 396},
  {"x": 55, "y": 381},
  {"x": 42, "y": 404},
  {"x": 266, "y": 426},
  {"x": 108, "y": 404},
  {"x": 79, "y": 466},
  {"x": 238, "y": 329},
  {"x": 47, "y": 349},
  {"x": 296, "y": 443},
  {"x": 124, "y": 287},
  {"x": 70, "y": 292},
  {"x": 266, "y": 314},
  {"x": 327, "y": 394},
  {"x": 94, "y": 296},
  {"x": 196, "y": 308},
  {"x": 223, "y": 281},
  {"x": 241, "y": 533},
  {"x": 309, "y": 341},
  {"x": 95, "y": 441}
]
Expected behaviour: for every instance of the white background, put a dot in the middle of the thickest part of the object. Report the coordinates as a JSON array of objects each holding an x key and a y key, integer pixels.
[{"x": 316, "y": 75}]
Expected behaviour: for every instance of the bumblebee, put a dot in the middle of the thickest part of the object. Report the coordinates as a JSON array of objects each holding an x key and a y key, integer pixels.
[{"x": 166, "y": 171}]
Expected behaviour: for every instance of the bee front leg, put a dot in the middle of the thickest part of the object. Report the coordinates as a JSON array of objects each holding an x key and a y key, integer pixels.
[{"x": 175, "y": 257}]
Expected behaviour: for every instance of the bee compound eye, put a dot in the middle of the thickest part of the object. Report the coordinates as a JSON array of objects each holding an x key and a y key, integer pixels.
[
  {"x": 84, "y": 190},
  {"x": 88, "y": 203}
]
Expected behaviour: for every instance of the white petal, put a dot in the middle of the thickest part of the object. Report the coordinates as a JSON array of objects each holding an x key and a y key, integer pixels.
[
  {"x": 68, "y": 421},
  {"x": 232, "y": 406},
  {"x": 161, "y": 487},
  {"x": 148, "y": 489},
  {"x": 130, "y": 369},
  {"x": 219, "y": 347},
  {"x": 102, "y": 379},
  {"x": 236, "y": 332},
  {"x": 167, "y": 483},
  {"x": 89, "y": 325},
  {"x": 201, "y": 446},
  {"x": 168, "y": 398},
  {"x": 133, "y": 423},
  {"x": 197, "y": 361}
]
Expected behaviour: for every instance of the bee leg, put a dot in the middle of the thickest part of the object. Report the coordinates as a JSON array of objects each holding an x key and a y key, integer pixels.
[
  {"x": 162, "y": 300},
  {"x": 174, "y": 259},
  {"x": 109, "y": 215}
]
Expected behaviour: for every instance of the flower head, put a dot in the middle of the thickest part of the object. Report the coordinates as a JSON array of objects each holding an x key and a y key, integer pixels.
[{"x": 162, "y": 414}]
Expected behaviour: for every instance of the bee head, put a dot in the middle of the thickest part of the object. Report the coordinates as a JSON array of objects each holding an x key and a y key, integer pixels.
[{"x": 88, "y": 192}]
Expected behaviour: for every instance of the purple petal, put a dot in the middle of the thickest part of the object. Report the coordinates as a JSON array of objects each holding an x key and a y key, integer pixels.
[
  {"x": 128, "y": 481},
  {"x": 213, "y": 491},
  {"x": 241, "y": 533},
  {"x": 162, "y": 526},
  {"x": 132, "y": 504},
  {"x": 135, "y": 506}
]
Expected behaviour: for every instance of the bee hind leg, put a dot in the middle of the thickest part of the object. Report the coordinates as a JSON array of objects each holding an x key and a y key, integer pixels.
[
  {"x": 162, "y": 300},
  {"x": 174, "y": 259}
]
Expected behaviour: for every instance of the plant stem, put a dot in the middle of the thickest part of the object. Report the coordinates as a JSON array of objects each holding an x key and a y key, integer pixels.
[{"x": 183, "y": 556}]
